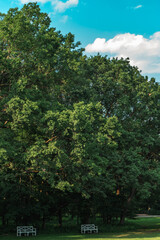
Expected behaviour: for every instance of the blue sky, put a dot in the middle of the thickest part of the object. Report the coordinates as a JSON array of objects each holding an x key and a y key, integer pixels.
[{"x": 122, "y": 28}]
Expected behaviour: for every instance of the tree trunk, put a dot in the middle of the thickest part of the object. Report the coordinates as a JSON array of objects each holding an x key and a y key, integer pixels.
[
  {"x": 124, "y": 211},
  {"x": 3, "y": 220},
  {"x": 122, "y": 217},
  {"x": 104, "y": 217},
  {"x": 109, "y": 219},
  {"x": 60, "y": 217},
  {"x": 43, "y": 222}
]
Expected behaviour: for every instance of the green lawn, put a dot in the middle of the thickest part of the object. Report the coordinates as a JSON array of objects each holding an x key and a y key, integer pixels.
[
  {"x": 146, "y": 229},
  {"x": 126, "y": 236}
]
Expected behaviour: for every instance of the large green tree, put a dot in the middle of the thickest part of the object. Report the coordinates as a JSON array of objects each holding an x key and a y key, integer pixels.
[
  {"x": 71, "y": 127},
  {"x": 40, "y": 71},
  {"x": 134, "y": 100}
]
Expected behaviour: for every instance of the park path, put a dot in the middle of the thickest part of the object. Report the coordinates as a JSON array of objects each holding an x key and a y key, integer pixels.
[{"x": 146, "y": 216}]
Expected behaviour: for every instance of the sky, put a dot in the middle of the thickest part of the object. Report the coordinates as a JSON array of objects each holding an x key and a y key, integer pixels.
[{"x": 117, "y": 28}]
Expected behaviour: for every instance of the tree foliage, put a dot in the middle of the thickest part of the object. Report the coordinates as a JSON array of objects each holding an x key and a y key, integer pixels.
[{"x": 77, "y": 133}]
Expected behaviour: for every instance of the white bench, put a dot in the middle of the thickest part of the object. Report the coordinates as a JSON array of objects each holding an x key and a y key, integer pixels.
[
  {"x": 89, "y": 228},
  {"x": 26, "y": 230}
]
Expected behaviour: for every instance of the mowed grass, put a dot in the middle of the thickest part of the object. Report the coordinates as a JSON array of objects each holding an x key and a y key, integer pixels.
[
  {"x": 144, "y": 228},
  {"x": 125, "y": 236}
]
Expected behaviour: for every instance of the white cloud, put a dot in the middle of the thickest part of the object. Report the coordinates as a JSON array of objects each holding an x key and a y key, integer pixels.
[
  {"x": 139, "y": 6},
  {"x": 62, "y": 6},
  {"x": 58, "y": 5},
  {"x": 64, "y": 19},
  {"x": 143, "y": 52},
  {"x": 27, "y": 1}
]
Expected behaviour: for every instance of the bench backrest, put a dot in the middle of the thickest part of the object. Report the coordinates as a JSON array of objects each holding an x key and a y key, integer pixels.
[
  {"x": 87, "y": 226},
  {"x": 24, "y": 228}
]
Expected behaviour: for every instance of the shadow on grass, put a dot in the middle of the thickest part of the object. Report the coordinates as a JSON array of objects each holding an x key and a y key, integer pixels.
[
  {"x": 141, "y": 234},
  {"x": 134, "y": 229},
  {"x": 130, "y": 235}
]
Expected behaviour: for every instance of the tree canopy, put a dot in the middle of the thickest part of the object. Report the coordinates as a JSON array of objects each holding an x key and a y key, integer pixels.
[{"x": 78, "y": 133}]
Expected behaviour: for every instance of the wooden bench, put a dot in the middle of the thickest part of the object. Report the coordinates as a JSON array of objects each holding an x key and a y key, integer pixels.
[
  {"x": 26, "y": 230},
  {"x": 89, "y": 228}
]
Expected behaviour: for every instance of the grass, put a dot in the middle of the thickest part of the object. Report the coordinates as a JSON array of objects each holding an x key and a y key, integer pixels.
[{"x": 144, "y": 228}]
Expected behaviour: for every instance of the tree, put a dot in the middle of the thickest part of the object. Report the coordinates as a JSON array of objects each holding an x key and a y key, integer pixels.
[
  {"x": 36, "y": 64},
  {"x": 71, "y": 125},
  {"x": 134, "y": 100}
]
